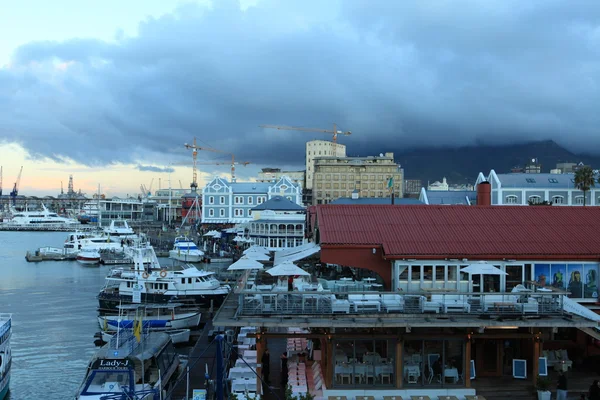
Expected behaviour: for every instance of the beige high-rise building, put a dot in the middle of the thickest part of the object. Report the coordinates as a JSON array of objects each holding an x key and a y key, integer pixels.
[
  {"x": 275, "y": 174},
  {"x": 336, "y": 177},
  {"x": 320, "y": 148}
]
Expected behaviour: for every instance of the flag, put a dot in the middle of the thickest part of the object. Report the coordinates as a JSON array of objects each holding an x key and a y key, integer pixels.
[
  {"x": 137, "y": 328},
  {"x": 390, "y": 182}
]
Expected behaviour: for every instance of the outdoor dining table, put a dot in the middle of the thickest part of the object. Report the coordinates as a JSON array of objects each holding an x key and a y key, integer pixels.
[
  {"x": 420, "y": 398},
  {"x": 447, "y": 398},
  {"x": 365, "y": 397},
  {"x": 392, "y": 397}
]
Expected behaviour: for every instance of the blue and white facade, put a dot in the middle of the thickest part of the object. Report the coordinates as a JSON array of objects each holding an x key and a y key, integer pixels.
[
  {"x": 226, "y": 202},
  {"x": 521, "y": 188}
]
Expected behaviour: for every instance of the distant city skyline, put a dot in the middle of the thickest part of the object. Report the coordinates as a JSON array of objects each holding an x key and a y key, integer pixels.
[{"x": 96, "y": 89}]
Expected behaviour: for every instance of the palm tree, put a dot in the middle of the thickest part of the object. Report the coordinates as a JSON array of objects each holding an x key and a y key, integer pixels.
[{"x": 584, "y": 180}]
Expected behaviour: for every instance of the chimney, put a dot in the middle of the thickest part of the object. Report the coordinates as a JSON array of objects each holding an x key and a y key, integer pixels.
[{"x": 484, "y": 194}]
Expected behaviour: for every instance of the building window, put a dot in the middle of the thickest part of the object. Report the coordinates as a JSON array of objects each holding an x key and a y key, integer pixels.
[
  {"x": 249, "y": 212},
  {"x": 558, "y": 199},
  {"x": 289, "y": 198},
  {"x": 211, "y": 212},
  {"x": 552, "y": 180},
  {"x": 211, "y": 200},
  {"x": 222, "y": 200},
  {"x": 579, "y": 200},
  {"x": 535, "y": 199},
  {"x": 239, "y": 200},
  {"x": 512, "y": 199},
  {"x": 530, "y": 180},
  {"x": 261, "y": 199},
  {"x": 364, "y": 358},
  {"x": 250, "y": 200},
  {"x": 222, "y": 212}
]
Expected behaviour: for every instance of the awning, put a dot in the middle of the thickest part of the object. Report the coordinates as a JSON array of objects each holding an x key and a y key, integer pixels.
[{"x": 302, "y": 252}]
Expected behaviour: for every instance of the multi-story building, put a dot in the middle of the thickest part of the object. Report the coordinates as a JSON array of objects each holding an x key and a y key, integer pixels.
[
  {"x": 412, "y": 187},
  {"x": 168, "y": 204},
  {"x": 437, "y": 185},
  {"x": 337, "y": 177},
  {"x": 523, "y": 189},
  {"x": 278, "y": 224},
  {"x": 226, "y": 202},
  {"x": 130, "y": 208},
  {"x": 320, "y": 148},
  {"x": 274, "y": 174}
]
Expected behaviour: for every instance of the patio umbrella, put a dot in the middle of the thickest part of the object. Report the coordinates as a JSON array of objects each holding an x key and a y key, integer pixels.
[
  {"x": 245, "y": 263},
  {"x": 256, "y": 249},
  {"x": 287, "y": 269},
  {"x": 254, "y": 255},
  {"x": 482, "y": 268},
  {"x": 210, "y": 233},
  {"x": 238, "y": 239}
]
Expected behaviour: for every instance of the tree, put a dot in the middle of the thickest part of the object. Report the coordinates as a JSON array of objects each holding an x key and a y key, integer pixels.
[{"x": 584, "y": 180}]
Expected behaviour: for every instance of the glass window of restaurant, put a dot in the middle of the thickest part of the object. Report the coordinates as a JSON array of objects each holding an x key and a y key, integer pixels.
[
  {"x": 368, "y": 362},
  {"x": 438, "y": 363}
]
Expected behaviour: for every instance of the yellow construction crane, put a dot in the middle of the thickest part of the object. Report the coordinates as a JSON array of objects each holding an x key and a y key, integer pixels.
[
  {"x": 335, "y": 131},
  {"x": 194, "y": 184},
  {"x": 232, "y": 164}
]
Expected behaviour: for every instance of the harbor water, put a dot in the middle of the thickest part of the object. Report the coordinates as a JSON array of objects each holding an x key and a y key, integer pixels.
[{"x": 54, "y": 316}]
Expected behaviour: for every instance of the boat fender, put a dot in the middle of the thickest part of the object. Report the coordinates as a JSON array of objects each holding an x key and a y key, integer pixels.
[
  {"x": 163, "y": 273},
  {"x": 145, "y": 275}
]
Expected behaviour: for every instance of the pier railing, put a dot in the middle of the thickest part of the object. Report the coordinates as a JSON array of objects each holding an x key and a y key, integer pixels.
[{"x": 257, "y": 302}]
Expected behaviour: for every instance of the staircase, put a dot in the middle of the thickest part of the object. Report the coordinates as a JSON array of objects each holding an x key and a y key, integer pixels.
[{"x": 503, "y": 388}]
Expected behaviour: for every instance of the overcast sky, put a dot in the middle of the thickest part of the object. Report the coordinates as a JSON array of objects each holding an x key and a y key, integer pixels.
[{"x": 131, "y": 81}]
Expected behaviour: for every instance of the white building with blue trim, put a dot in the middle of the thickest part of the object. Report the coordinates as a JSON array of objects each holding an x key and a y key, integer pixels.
[
  {"x": 225, "y": 202},
  {"x": 523, "y": 188}
]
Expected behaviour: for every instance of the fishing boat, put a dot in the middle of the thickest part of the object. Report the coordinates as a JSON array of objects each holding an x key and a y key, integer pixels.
[
  {"x": 5, "y": 353},
  {"x": 153, "y": 316},
  {"x": 185, "y": 249},
  {"x": 178, "y": 336},
  {"x": 155, "y": 284},
  {"x": 133, "y": 364},
  {"x": 89, "y": 257}
]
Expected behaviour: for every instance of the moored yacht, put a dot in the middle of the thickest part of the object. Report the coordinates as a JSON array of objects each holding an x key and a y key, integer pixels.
[
  {"x": 89, "y": 257},
  {"x": 154, "y": 316},
  {"x": 185, "y": 249},
  {"x": 119, "y": 228},
  {"x": 155, "y": 284},
  {"x": 39, "y": 219},
  {"x": 133, "y": 366},
  {"x": 5, "y": 353}
]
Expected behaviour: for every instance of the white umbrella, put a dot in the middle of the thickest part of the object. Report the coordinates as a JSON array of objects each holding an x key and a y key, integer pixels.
[
  {"x": 210, "y": 233},
  {"x": 245, "y": 263},
  {"x": 287, "y": 269},
  {"x": 256, "y": 249},
  {"x": 254, "y": 255},
  {"x": 238, "y": 239},
  {"x": 482, "y": 268}
]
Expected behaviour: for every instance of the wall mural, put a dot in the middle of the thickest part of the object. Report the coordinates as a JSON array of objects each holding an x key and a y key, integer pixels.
[{"x": 579, "y": 279}]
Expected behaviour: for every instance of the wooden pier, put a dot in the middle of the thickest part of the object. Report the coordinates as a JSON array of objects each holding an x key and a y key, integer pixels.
[{"x": 36, "y": 256}]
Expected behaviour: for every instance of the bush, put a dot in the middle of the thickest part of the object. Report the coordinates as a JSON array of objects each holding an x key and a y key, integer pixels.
[{"x": 543, "y": 383}]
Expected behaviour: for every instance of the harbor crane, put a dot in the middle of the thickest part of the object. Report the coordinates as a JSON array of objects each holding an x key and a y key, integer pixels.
[
  {"x": 15, "y": 191},
  {"x": 233, "y": 163},
  {"x": 146, "y": 191},
  {"x": 335, "y": 132},
  {"x": 195, "y": 149}
]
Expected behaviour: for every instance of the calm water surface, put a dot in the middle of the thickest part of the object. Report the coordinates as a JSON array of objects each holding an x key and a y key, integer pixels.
[{"x": 54, "y": 316}]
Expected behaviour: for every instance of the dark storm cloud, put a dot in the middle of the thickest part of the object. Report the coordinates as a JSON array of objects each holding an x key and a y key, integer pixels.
[
  {"x": 154, "y": 169},
  {"x": 397, "y": 74}
]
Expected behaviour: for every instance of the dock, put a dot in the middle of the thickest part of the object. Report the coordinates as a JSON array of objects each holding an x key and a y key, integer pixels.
[
  {"x": 36, "y": 256},
  {"x": 8, "y": 227}
]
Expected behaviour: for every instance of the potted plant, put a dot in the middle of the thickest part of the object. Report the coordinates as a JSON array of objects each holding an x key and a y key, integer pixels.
[{"x": 542, "y": 385}]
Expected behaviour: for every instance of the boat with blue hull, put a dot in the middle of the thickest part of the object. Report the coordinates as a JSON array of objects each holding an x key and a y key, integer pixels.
[{"x": 5, "y": 353}]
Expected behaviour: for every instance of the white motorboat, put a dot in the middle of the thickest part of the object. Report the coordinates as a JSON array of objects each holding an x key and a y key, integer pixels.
[
  {"x": 78, "y": 241},
  {"x": 39, "y": 219},
  {"x": 133, "y": 365},
  {"x": 5, "y": 353},
  {"x": 156, "y": 284},
  {"x": 89, "y": 257},
  {"x": 178, "y": 336},
  {"x": 153, "y": 316},
  {"x": 119, "y": 228},
  {"x": 185, "y": 249}
]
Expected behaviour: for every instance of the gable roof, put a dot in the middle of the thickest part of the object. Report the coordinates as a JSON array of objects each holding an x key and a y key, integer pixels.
[
  {"x": 279, "y": 203},
  {"x": 376, "y": 200},
  {"x": 250, "y": 187},
  {"x": 542, "y": 181},
  {"x": 493, "y": 232}
]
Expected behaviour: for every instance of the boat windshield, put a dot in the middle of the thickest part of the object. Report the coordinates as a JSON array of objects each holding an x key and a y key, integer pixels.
[
  {"x": 187, "y": 246},
  {"x": 108, "y": 381}
]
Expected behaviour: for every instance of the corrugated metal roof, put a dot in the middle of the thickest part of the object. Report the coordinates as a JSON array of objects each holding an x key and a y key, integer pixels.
[
  {"x": 451, "y": 196},
  {"x": 545, "y": 181},
  {"x": 376, "y": 200},
  {"x": 458, "y": 231}
]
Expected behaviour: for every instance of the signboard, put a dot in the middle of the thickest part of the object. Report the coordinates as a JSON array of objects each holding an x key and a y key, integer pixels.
[
  {"x": 520, "y": 369},
  {"x": 199, "y": 394},
  {"x": 137, "y": 293},
  {"x": 111, "y": 364},
  {"x": 543, "y": 366}
]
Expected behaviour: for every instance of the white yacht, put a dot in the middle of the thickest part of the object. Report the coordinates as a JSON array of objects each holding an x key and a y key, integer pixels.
[
  {"x": 186, "y": 250},
  {"x": 156, "y": 284},
  {"x": 78, "y": 241},
  {"x": 39, "y": 218},
  {"x": 89, "y": 257},
  {"x": 5, "y": 352},
  {"x": 119, "y": 228}
]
